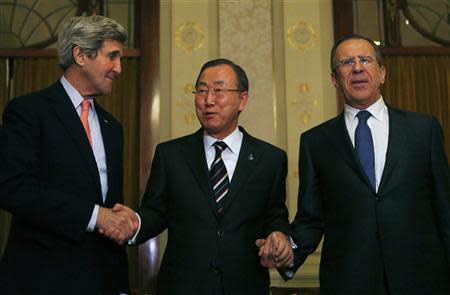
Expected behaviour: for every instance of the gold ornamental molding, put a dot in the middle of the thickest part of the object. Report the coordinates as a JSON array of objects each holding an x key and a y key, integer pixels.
[
  {"x": 186, "y": 104},
  {"x": 301, "y": 36},
  {"x": 189, "y": 36},
  {"x": 304, "y": 103}
]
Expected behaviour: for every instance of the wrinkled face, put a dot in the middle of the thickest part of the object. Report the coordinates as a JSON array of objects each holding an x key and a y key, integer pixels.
[
  {"x": 359, "y": 81},
  {"x": 100, "y": 71},
  {"x": 218, "y": 108}
]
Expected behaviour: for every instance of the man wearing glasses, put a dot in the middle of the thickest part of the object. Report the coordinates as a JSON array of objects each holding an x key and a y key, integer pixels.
[
  {"x": 374, "y": 183},
  {"x": 216, "y": 191}
]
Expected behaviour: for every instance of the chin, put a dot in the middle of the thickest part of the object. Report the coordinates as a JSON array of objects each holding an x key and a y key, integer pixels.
[{"x": 105, "y": 91}]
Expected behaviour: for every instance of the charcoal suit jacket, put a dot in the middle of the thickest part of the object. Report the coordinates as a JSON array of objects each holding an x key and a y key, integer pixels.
[
  {"x": 399, "y": 235},
  {"x": 49, "y": 181},
  {"x": 208, "y": 252}
]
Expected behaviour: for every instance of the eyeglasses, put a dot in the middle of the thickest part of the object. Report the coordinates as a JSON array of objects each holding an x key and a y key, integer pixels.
[
  {"x": 350, "y": 62},
  {"x": 217, "y": 92}
]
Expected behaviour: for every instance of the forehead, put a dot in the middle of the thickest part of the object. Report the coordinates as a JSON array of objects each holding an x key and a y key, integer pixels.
[
  {"x": 112, "y": 45},
  {"x": 223, "y": 74},
  {"x": 354, "y": 47}
]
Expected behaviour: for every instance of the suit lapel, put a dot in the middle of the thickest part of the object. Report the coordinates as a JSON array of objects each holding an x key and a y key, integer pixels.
[
  {"x": 60, "y": 102},
  {"x": 396, "y": 143},
  {"x": 194, "y": 153},
  {"x": 249, "y": 157},
  {"x": 109, "y": 140},
  {"x": 341, "y": 141}
]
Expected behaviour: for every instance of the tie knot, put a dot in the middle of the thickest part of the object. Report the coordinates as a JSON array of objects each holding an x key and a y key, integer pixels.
[
  {"x": 220, "y": 146},
  {"x": 85, "y": 105},
  {"x": 363, "y": 116}
]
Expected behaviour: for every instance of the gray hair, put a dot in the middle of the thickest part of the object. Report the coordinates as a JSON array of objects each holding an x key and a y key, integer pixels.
[{"x": 89, "y": 33}]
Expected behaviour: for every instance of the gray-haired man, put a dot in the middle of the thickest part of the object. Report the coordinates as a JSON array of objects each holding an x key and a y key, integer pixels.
[{"x": 61, "y": 171}]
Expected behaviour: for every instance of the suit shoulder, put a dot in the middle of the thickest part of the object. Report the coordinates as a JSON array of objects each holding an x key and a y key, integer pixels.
[
  {"x": 31, "y": 101},
  {"x": 264, "y": 145},
  {"x": 322, "y": 127},
  {"x": 411, "y": 117},
  {"x": 30, "y": 98},
  {"x": 176, "y": 142}
]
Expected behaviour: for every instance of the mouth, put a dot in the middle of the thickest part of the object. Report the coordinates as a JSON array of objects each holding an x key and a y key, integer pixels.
[
  {"x": 111, "y": 77},
  {"x": 359, "y": 83},
  {"x": 209, "y": 114}
]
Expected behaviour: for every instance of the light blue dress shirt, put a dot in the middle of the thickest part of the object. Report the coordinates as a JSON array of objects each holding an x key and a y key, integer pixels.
[{"x": 98, "y": 147}]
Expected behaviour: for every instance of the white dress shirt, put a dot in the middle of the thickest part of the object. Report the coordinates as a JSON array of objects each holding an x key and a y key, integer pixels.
[
  {"x": 98, "y": 147},
  {"x": 379, "y": 127},
  {"x": 230, "y": 155}
]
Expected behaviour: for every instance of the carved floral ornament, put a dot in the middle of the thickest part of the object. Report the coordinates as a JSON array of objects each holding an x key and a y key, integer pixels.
[
  {"x": 301, "y": 36},
  {"x": 185, "y": 103},
  {"x": 305, "y": 103},
  {"x": 189, "y": 36}
]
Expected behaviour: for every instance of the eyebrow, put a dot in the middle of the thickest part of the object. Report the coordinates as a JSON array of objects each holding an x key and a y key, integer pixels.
[
  {"x": 218, "y": 82},
  {"x": 114, "y": 53}
]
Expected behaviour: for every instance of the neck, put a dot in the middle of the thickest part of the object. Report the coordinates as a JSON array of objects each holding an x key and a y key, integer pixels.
[{"x": 78, "y": 81}]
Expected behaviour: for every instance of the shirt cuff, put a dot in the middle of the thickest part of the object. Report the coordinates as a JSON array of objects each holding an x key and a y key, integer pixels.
[
  {"x": 132, "y": 240},
  {"x": 292, "y": 243},
  {"x": 93, "y": 220}
]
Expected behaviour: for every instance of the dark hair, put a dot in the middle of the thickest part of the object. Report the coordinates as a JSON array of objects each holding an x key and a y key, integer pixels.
[
  {"x": 333, "y": 61},
  {"x": 242, "y": 80}
]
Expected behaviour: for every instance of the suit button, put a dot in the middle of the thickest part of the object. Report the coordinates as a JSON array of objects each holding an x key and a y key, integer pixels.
[
  {"x": 377, "y": 199},
  {"x": 215, "y": 267},
  {"x": 220, "y": 233}
]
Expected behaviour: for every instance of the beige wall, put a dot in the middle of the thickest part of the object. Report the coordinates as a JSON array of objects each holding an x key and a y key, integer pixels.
[{"x": 284, "y": 47}]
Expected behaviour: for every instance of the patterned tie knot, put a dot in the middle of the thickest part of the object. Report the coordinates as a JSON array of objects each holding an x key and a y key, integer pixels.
[
  {"x": 363, "y": 116},
  {"x": 220, "y": 146}
]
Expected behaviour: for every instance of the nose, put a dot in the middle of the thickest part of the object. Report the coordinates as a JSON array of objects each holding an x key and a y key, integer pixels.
[
  {"x": 357, "y": 67},
  {"x": 117, "y": 66},
  {"x": 209, "y": 99}
]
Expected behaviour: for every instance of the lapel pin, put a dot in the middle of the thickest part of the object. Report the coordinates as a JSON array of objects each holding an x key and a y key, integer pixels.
[
  {"x": 250, "y": 157},
  {"x": 106, "y": 121}
]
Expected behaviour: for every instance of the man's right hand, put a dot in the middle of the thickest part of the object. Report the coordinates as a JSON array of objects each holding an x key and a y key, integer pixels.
[
  {"x": 119, "y": 223},
  {"x": 275, "y": 250}
]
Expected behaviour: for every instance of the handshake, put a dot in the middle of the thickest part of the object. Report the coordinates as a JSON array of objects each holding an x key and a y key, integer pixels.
[
  {"x": 275, "y": 251},
  {"x": 119, "y": 223}
]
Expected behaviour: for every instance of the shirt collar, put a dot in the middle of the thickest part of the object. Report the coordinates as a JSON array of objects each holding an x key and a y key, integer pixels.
[
  {"x": 233, "y": 140},
  {"x": 74, "y": 95},
  {"x": 377, "y": 110}
]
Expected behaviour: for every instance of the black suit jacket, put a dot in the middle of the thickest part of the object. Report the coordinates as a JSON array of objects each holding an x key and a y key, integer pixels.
[
  {"x": 208, "y": 253},
  {"x": 49, "y": 181},
  {"x": 401, "y": 232}
]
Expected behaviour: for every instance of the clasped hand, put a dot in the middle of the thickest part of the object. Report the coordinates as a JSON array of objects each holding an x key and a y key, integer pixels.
[
  {"x": 275, "y": 251},
  {"x": 119, "y": 223}
]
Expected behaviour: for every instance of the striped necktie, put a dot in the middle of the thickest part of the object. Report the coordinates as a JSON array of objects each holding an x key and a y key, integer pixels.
[{"x": 219, "y": 175}]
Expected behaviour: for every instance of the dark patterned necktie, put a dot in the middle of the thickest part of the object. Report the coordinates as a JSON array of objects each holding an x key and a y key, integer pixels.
[
  {"x": 364, "y": 146},
  {"x": 219, "y": 175}
]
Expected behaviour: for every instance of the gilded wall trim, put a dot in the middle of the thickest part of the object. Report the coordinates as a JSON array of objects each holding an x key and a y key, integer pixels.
[
  {"x": 302, "y": 36},
  {"x": 189, "y": 36}
]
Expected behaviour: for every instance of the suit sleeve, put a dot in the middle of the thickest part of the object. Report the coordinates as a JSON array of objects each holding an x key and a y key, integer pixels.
[
  {"x": 441, "y": 183},
  {"x": 277, "y": 213},
  {"x": 23, "y": 190},
  {"x": 307, "y": 226},
  {"x": 153, "y": 209}
]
